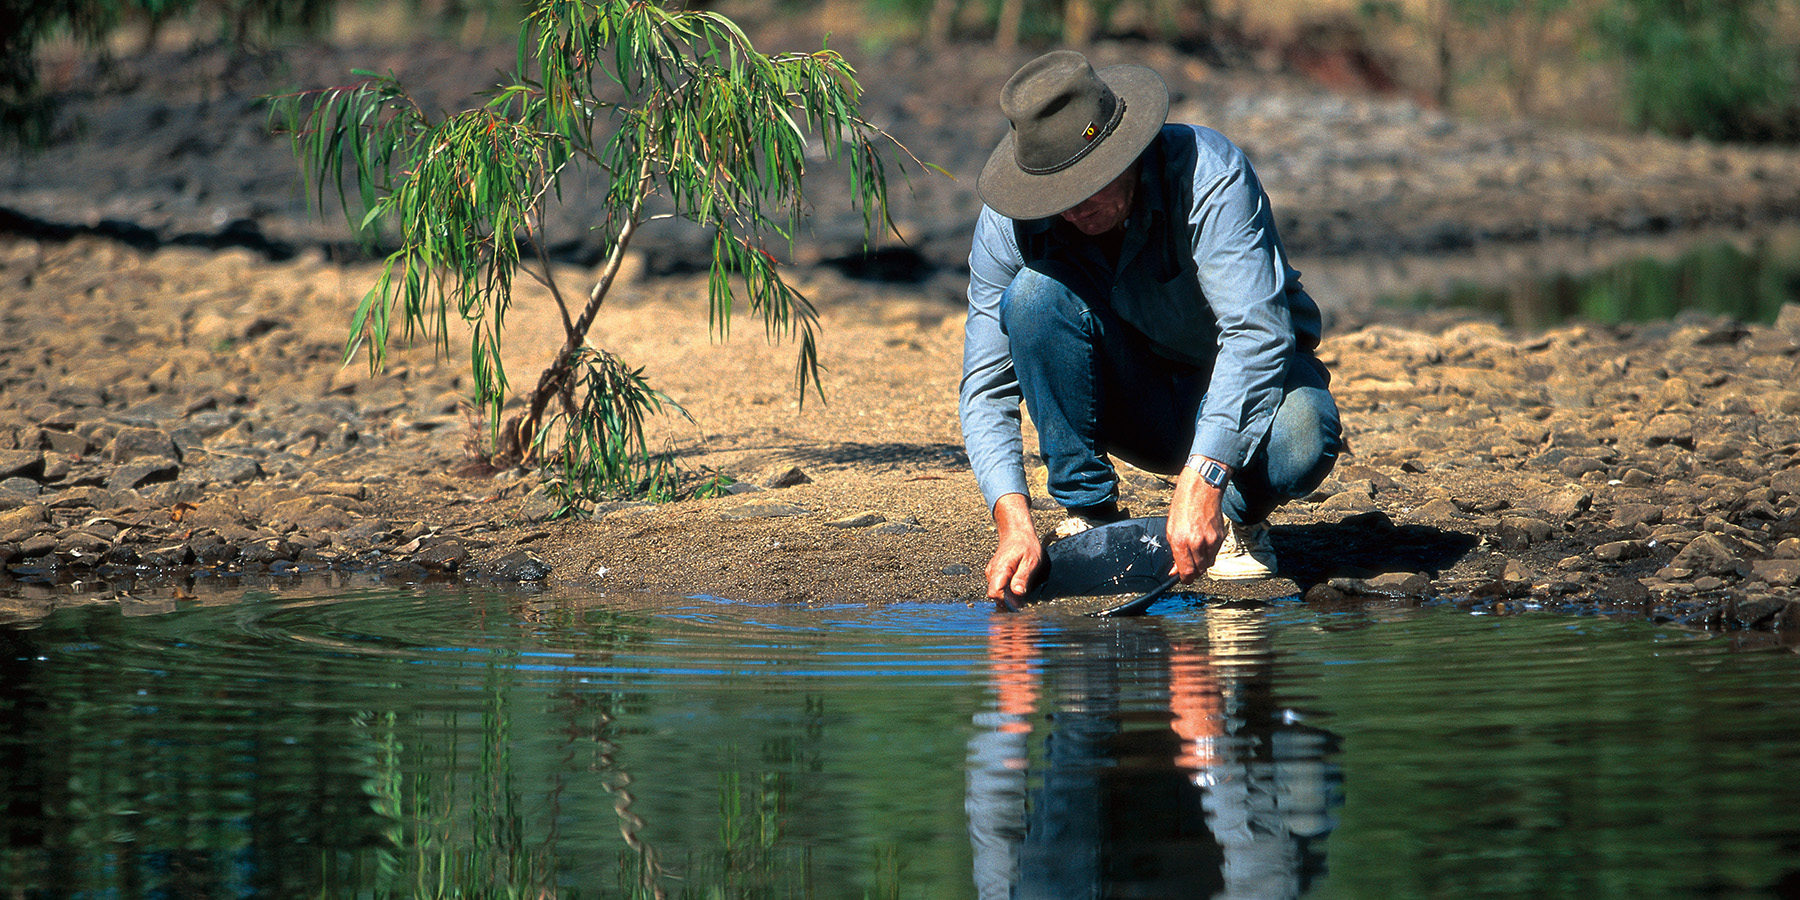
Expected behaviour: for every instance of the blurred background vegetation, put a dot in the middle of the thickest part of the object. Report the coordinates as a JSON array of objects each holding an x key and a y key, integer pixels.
[{"x": 1726, "y": 70}]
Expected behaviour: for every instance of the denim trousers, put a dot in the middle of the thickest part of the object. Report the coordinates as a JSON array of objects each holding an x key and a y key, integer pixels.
[{"x": 1096, "y": 387}]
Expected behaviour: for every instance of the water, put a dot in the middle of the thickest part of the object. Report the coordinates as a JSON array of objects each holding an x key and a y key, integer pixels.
[
  {"x": 1747, "y": 279},
  {"x": 386, "y": 743}
]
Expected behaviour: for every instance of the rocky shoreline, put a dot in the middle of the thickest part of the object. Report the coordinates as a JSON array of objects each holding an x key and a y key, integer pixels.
[
  {"x": 174, "y": 410},
  {"x": 182, "y": 414}
]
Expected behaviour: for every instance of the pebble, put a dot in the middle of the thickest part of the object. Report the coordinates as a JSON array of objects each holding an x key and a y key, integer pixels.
[
  {"x": 21, "y": 487},
  {"x": 519, "y": 566},
  {"x": 1616, "y": 551},
  {"x": 786, "y": 478},
  {"x": 1439, "y": 510},
  {"x": 443, "y": 555},
  {"x": 539, "y": 505}
]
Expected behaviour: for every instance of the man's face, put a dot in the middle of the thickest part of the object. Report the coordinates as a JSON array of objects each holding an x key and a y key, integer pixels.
[{"x": 1105, "y": 210}]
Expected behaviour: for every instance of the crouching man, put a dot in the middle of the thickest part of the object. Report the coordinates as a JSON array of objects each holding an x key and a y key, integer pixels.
[{"x": 1127, "y": 282}]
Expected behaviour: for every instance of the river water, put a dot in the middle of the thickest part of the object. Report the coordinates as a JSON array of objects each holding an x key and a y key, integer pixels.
[{"x": 458, "y": 741}]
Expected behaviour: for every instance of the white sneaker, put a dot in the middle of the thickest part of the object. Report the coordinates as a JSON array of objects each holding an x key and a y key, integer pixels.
[
  {"x": 1077, "y": 523},
  {"x": 1246, "y": 553},
  {"x": 1071, "y": 527}
]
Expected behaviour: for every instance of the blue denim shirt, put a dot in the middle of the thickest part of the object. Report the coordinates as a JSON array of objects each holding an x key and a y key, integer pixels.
[{"x": 1201, "y": 272}]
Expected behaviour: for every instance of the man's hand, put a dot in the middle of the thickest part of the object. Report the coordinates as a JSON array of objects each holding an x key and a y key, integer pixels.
[
  {"x": 1020, "y": 555},
  {"x": 1196, "y": 525}
]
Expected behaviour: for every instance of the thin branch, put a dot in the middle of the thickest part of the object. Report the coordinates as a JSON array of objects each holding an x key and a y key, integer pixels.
[{"x": 548, "y": 279}]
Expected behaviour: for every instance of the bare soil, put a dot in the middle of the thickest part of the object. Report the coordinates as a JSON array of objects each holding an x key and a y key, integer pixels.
[{"x": 174, "y": 404}]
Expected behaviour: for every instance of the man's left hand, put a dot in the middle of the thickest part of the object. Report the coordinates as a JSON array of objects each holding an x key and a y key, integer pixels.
[{"x": 1196, "y": 525}]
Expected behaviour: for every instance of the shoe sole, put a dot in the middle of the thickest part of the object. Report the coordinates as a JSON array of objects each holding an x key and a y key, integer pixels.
[{"x": 1241, "y": 572}]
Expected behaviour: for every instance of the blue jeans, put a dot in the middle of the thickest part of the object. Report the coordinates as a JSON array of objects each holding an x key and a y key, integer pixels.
[{"x": 1095, "y": 387}]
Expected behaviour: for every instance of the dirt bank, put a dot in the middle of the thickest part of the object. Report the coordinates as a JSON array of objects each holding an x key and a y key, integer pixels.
[
  {"x": 183, "y": 411},
  {"x": 174, "y": 404}
]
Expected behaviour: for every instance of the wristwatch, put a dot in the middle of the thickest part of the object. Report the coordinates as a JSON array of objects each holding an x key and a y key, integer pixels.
[{"x": 1210, "y": 472}]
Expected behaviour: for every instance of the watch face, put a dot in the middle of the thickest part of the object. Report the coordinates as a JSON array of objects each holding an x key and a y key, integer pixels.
[{"x": 1214, "y": 474}]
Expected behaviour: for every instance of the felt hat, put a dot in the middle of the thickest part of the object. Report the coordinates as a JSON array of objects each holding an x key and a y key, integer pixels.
[{"x": 1073, "y": 131}]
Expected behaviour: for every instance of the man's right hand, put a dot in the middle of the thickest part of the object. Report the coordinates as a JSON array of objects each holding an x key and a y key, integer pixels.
[{"x": 1019, "y": 557}]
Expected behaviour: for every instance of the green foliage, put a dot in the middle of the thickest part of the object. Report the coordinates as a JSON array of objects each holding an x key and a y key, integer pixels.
[
  {"x": 678, "y": 112},
  {"x": 1712, "y": 68},
  {"x": 604, "y": 450},
  {"x": 1719, "y": 69},
  {"x": 1747, "y": 284}
]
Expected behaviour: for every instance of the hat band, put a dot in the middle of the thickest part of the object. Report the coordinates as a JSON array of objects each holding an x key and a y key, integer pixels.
[{"x": 1087, "y": 147}]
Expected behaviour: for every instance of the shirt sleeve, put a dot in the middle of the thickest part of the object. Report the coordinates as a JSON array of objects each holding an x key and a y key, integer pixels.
[
  {"x": 988, "y": 401},
  {"x": 1243, "y": 275}
]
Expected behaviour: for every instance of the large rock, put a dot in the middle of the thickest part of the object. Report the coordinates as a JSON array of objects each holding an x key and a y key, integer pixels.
[
  {"x": 309, "y": 515},
  {"x": 1523, "y": 531},
  {"x": 23, "y": 519},
  {"x": 1709, "y": 554},
  {"x": 1562, "y": 504},
  {"x": 1670, "y": 428},
  {"x": 20, "y": 489},
  {"x": 1786, "y": 482},
  {"x": 139, "y": 443},
  {"x": 1619, "y": 551},
  {"x": 21, "y": 463},
  {"x": 763, "y": 511},
  {"x": 227, "y": 470},
  {"x": 1631, "y": 515},
  {"x": 150, "y": 470},
  {"x": 521, "y": 566},
  {"x": 442, "y": 555},
  {"x": 1751, "y": 613},
  {"x": 1777, "y": 572}
]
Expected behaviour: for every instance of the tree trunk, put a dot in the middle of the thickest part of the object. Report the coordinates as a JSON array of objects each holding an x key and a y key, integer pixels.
[
  {"x": 1525, "y": 58},
  {"x": 939, "y": 23},
  {"x": 1078, "y": 22},
  {"x": 519, "y": 435},
  {"x": 1006, "y": 32},
  {"x": 1445, "y": 72}
]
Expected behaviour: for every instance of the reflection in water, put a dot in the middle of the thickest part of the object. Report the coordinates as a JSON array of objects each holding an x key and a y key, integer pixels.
[
  {"x": 486, "y": 744},
  {"x": 1167, "y": 768},
  {"x": 1745, "y": 280}
]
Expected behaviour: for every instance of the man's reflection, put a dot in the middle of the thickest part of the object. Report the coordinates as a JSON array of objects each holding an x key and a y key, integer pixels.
[{"x": 1166, "y": 768}]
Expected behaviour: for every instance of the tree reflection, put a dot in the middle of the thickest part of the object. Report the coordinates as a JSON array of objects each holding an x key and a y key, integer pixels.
[{"x": 1167, "y": 768}]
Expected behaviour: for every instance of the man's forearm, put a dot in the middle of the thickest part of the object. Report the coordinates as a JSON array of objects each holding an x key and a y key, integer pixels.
[
  {"x": 1012, "y": 516},
  {"x": 1196, "y": 524}
]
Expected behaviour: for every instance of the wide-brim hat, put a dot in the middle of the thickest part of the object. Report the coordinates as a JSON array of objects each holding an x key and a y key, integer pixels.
[{"x": 1073, "y": 131}]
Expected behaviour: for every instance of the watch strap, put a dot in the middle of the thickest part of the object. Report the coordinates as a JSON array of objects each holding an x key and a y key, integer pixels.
[{"x": 1209, "y": 471}]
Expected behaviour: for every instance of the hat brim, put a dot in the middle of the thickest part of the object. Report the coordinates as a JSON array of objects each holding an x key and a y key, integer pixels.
[{"x": 1017, "y": 194}]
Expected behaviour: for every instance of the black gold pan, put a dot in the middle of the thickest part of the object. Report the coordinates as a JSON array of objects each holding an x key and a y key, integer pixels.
[
  {"x": 1129, "y": 555},
  {"x": 1136, "y": 606}
]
